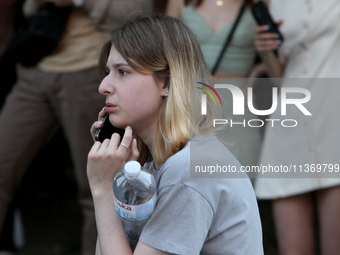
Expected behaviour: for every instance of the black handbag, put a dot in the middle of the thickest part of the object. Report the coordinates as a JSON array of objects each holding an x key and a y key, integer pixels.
[{"x": 42, "y": 35}]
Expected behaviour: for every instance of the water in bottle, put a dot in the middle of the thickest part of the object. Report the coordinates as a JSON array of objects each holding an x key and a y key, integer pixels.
[{"x": 135, "y": 199}]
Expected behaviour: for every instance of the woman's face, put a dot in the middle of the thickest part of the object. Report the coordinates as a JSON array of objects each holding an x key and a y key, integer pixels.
[{"x": 132, "y": 99}]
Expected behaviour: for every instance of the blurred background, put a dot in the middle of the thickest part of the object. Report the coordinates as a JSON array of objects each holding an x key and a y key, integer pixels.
[{"x": 45, "y": 213}]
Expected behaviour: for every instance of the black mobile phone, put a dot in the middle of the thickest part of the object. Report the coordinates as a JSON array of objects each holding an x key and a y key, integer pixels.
[
  {"x": 107, "y": 130},
  {"x": 263, "y": 17}
]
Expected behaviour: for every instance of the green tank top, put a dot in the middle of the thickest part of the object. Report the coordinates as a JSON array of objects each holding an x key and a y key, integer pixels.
[{"x": 240, "y": 54}]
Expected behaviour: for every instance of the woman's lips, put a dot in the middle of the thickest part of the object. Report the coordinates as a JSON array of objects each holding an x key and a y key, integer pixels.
[{"x": 110, "y": 107}]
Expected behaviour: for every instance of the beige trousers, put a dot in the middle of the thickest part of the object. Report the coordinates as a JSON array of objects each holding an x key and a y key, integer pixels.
[{"x": 38, "y": 105}]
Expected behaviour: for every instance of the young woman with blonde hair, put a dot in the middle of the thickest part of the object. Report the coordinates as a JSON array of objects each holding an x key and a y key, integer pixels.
[{"x": 149, "y": 65}]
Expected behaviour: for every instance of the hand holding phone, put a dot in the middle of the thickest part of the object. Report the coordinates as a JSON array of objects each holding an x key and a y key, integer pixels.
[
  {"x": 263, "y": 18},
  {"x": 106, "y": 131}
]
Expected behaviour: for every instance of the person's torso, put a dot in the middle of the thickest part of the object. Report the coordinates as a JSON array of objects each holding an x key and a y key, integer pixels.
[
  {"x": 236, "y": 219},
  {"x": 311, "y": 31},
  {"x": 240, "y": 54},
  {"x": 79, "y": 47}
]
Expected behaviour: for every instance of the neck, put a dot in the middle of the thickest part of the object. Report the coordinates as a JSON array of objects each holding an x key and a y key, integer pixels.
[{"x": 147, "y": 135}]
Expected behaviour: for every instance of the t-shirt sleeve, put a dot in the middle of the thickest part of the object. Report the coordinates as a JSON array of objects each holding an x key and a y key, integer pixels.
[{"x": 180, "y": 222}]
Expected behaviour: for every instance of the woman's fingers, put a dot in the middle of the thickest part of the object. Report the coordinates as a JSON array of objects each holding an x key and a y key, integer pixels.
[
  {"x": 126, "y": 141},
  {"x": 102, "y": 114},
  {"x": 267, "y": 36},
  {"x": 104, "y": 162},
  {"x": 265, "y": 46},
  {"x": 261, "y": 29},
  {"x": 264, "y": 28},
  {"x": 106, "y": 159},
  {"x": 95, "y": 147},
  {"x": 134, "y": 153},
  {"x": 98, "y": 124},
  {"x": 95, "y": 126},
  {"x": 114, "y": 142},
  {"x": 265, "y": 41},
  {"x": 128, "y": 146}
]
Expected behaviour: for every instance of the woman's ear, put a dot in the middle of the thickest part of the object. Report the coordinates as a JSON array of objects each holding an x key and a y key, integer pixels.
[
  {"x": 165, "y": 87},
  {"x": 162, "y": 79},
  {"x": 165, "y": 92}
]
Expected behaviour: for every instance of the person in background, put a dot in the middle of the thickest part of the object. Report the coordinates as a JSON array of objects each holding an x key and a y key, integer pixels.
[
  {"x": 310, "y": 50},
  {"x": 60, "y": 92},
  {"x": 10, "y": 20},
  {"x": 212, "y": 22}
]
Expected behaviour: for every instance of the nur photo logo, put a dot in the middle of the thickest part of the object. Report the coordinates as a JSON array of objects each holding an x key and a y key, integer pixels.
[
  {"x": 238, "y": 104},
  {"x": 204, "y": 97}
]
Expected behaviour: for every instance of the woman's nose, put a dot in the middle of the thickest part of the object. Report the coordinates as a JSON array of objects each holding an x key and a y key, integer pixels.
[{"x": 105, "y": 87}]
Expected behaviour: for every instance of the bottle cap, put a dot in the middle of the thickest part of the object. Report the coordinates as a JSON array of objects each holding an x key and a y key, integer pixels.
[{"x": 132, "y": 168}]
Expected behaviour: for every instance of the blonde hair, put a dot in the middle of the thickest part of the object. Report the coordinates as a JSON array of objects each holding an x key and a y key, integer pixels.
[{"x": 165, "y": 47}]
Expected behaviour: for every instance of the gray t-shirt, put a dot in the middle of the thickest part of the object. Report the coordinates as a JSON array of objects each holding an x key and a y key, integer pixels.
[{"x": 203, "y": 215}]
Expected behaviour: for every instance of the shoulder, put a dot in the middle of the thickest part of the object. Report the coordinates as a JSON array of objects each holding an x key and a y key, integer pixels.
[
  {"x": 200, "y": 151},
  {"x": 205, "y": 148},
  {"x": 201, "y": 147}
]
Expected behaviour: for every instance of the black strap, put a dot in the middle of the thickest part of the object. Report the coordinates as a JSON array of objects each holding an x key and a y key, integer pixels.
[{"x": 229, "y": 37}]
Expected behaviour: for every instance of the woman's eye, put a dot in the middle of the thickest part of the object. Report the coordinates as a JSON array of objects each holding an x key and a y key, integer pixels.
[
  {"x": 107, "y": 71},
  {"x": 122, "y": 72}
]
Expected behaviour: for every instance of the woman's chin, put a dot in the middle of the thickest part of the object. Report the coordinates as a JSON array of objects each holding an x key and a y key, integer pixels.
[{"x": 119, "y": 124}]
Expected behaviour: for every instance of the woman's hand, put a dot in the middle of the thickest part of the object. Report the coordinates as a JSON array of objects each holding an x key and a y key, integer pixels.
[
  {"x": 106, "y": 159},
  {"x": 266, "y": 41},
  {"x": 98, "y": 124}
]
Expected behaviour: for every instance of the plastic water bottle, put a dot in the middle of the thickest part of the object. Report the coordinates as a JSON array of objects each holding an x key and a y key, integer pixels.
[{"x": 135, "y": 199}]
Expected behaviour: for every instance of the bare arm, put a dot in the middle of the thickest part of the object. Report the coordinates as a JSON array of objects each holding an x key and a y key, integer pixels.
[
  {"x": 111, "y": 235},
  {"x": 104, "y": 162}
]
